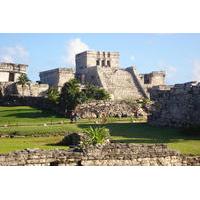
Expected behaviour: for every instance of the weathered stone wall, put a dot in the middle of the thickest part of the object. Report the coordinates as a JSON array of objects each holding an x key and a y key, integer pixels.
[
  {"x": 33, "y": 89},
  {"x": 7, "y": 88},
  {"x": 109, "y": 155},
  {"x": 119, "y": 83},
  {"x": 89, "y": 59},
  {"x": 56, "y": 77},
  {"x": 153, "y": 79},
  {"x": 11, "y": 71},
  {"x": 97, "y": 109},
  {"x": 176, "y": 106}
]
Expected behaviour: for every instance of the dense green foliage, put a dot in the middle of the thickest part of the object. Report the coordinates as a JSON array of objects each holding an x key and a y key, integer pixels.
[
  {"x": 93, "y": 92},
  {"x": 23, "y": 79},
  {"x": 96, "y": 135},
  {"x": 72, "y": 95},
  {"x": 53, "y": 95}
]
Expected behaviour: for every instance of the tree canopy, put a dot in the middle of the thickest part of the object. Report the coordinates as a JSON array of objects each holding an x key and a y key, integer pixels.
[{"x": 72, "y": 95}]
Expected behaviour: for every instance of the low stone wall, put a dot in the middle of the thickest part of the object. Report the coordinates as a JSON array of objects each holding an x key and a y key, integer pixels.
[
  {"x": 113, "y": 154},
  {"x": 97, "y": 109},
  {"x": 33, "y": 89},
  {"x": 176, "y": 106}
]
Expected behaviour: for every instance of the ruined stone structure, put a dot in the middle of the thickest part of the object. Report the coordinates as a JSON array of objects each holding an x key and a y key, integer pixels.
[
  {"x": 176, "y": 106},
  {"x": 103, "y": 70},
  {"x": 114, "y": 154},
  {"x": 9, "y": 74},
  {"x": 32, "y": 89},
  {"x": 56, "y": 77},
  {"x": 98, "y": 109}
]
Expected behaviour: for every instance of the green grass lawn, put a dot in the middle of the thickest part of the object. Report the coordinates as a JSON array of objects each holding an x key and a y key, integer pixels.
[
  {"x": 30, "y": 121},
  {"x": 13, "y": 144},
  {"x": 24, "y": 115}
]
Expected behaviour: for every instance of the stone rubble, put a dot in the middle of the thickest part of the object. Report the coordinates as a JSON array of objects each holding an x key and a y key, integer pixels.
[{"x": 99, "y": 109}]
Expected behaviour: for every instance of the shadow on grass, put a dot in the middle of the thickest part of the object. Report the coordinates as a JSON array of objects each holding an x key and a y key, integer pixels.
[
  {"x": 33, "y": 114},
  {"x": 143, "y": 133}
]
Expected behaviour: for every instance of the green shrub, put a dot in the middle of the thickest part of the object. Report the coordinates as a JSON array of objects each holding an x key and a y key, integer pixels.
[
  {"x": 53, "y": 95},
  {"x": 71, "y": 95},
  {"x": 95, "y": 93},
  {"x": 98, "y": 135}
]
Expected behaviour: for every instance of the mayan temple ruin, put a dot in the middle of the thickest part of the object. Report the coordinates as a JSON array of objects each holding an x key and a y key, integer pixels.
[
  {"x": 103, "y": 70},
  {"x": 9, "y": 74}
]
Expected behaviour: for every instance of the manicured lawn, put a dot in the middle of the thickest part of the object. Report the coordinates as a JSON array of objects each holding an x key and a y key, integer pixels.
[
  {"x": 121, "y": 130},
  {"x": 13, "y": 144},
  {"x": 39, "y": 129},
  {"x": 17, "y": 115}
]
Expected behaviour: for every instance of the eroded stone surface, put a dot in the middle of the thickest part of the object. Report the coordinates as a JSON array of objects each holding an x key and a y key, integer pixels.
[
  {"x": 176, "y": 106},
  {"x": 113, "y": 154},
  {"x": 98, "y": 109}
]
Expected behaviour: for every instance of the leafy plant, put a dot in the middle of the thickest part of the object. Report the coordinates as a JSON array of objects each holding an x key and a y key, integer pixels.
[
  {"x": 98, "y": 135},
  {"x": 71, "y": 95},
  {"x": 53, "y": 95},
  {"x": 23, "y": 80},
  {"x": 96, "y": 93}
]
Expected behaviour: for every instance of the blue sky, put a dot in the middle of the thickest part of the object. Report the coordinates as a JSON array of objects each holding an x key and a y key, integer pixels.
[{"x": 177, "y": 54}]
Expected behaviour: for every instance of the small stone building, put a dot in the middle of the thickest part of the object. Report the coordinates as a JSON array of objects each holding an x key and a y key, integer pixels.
[
  {"x": 9, "y": 74},
  {"x": 56, "y": 77}
]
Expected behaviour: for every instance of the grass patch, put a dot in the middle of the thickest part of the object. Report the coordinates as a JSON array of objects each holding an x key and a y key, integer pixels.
[
  {"x": 39, "y": 130},
  {"x": 23, "y": 115},
  {"x": 13, "y": 144},
  {"x": 24, "y": 120}
]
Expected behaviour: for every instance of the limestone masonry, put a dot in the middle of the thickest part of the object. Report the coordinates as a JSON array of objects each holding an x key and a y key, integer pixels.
[
  {"x": 114, "y": 154},
  {"x": 9, "y": 74},
  {"x": 56, "y": 77},
  {"x": 98, "y": 68},
  {"x": 103, "y": 70},
  {"x": 176, "y": 106}
]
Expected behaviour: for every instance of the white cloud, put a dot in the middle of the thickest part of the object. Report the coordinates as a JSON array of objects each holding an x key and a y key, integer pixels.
[
  {"x": 196, "y": 70},
  {"x": 132, "y": 58},
  {"x": 15, "y": 54},
  {"x": 74, "y": 47}
]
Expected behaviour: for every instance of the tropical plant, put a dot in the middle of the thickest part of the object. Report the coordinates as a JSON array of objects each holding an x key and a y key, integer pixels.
[
  {"x": 71, "y": 95},
  {"x": 96, "y": 93},
  {"x": 96, "y": 135},
  {"x": 23, "y": 80},
  {"x": 53, "y": 95}
]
